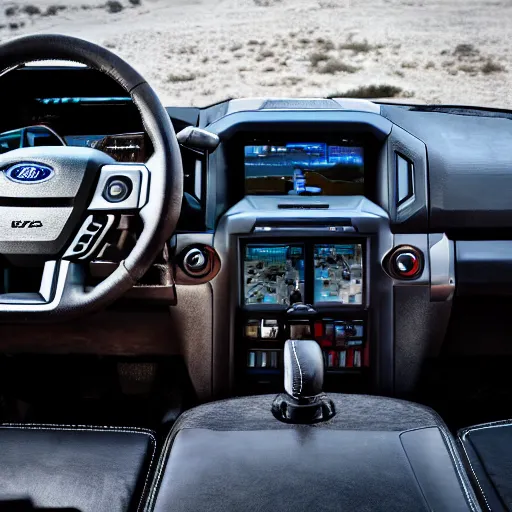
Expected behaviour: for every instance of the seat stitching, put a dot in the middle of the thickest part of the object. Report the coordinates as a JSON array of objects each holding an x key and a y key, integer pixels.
[
  {"x": 148, "y": 473},
  {"x": 298, "y": 364},
  {"x": 88, "y": 428},
  {"x": 453, "y": 457},
  {"x": 484, "y": 426},
  {"x": 474, "y": 474},
  {"x": 452, "y": 449},
  {"x": 457, "y": 462},
  {"x": 78, "y": 428},
  {"x": 164, "y": 457}
]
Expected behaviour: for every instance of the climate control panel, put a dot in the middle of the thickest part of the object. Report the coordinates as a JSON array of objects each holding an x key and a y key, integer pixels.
[{"x": 261, "y": 338}]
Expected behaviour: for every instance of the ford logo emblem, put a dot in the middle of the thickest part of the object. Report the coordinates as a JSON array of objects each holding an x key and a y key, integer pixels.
[{"x": 29, "y": 173}]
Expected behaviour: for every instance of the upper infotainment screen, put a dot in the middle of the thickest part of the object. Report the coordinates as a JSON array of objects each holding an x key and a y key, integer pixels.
[{"x": 304, "y": 168}]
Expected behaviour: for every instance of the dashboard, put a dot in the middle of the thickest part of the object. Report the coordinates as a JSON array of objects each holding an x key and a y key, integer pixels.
[{"x": 369, "y": 227}]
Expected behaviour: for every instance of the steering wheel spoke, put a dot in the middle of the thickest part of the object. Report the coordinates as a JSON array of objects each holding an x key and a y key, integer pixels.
[
  {"x": 90, "y": 236},
  {"x": 121, "y": 187}
]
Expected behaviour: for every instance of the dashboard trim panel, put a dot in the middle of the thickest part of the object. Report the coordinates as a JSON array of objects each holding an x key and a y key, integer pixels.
[{"x": 295, "y": 120}]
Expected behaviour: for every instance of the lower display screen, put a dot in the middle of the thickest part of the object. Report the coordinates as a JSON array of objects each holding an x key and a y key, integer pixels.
[
  {"x": 273, "y": 274},
  {"x": 338, "y": 273}
]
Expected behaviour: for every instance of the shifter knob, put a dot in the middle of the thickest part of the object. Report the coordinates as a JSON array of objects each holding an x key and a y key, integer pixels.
[
  {"x": 303, "y": 369},
  {"x": 304, "y": 400}
]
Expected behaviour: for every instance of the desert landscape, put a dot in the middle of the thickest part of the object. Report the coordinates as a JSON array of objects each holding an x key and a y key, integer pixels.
[{"x": 198, "y": 52}]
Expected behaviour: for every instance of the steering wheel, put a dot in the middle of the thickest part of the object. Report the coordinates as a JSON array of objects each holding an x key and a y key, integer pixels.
[{"x": 59, "y": 202}]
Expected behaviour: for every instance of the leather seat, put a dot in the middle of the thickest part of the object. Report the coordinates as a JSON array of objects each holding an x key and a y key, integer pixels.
[
  {"x": 78, "y": 468},
  {"x": 487, "y": 450}
]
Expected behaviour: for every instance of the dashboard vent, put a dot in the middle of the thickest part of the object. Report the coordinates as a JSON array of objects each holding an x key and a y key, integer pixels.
[
  {"x": 404, "y": 179},
  {"x": 294, "y": 104},
  {"x": 303, "y": 206}
]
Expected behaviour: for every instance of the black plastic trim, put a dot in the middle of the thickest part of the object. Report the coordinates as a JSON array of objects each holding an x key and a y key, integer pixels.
[
  {"x": 484, "y": 267},
  {"x": 411, "y": 214}
]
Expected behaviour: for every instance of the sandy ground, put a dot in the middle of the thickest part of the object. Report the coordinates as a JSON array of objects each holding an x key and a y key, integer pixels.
[{"x": 197, "y": 52}]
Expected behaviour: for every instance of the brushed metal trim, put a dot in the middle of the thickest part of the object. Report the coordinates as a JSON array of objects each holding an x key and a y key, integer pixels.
[{"x": 442, "y": 268}]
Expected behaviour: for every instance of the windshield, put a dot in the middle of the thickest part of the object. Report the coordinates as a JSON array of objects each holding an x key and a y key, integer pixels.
[{"x": 199, "y": 52}]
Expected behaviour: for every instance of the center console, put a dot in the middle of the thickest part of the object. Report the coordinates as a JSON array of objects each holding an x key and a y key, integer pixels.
[
  {"x": 304, "y": 268},
  {"x": 326, "y": 210},
  {"x": 302, "y": 288}
]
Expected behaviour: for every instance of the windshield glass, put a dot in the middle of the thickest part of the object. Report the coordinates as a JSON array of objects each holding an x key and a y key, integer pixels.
[{"x": 198, "y": 52}]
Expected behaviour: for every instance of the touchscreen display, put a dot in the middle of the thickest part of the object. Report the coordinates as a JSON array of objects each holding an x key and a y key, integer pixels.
[
  {"x": 338, "y": 273},
  {"x": 274, "y": 274},
  {"x": 304, "y": 168}
]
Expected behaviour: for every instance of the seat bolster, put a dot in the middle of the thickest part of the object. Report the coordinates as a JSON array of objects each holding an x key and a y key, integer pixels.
[
  {"x": 82, "y": 467},
  {"x": 486, "y": 451}
]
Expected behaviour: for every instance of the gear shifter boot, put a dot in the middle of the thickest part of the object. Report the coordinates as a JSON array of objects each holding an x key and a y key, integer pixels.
[{"x": 303, "y": 400}]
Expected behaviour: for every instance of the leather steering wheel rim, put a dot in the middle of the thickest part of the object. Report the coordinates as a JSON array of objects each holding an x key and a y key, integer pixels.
[{"x": 160, "y": 213}]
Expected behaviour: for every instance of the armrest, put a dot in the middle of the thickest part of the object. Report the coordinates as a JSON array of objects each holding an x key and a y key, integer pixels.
[{"x": 380, "y": 454}]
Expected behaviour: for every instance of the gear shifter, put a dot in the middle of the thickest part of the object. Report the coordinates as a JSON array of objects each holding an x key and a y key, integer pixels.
[{"x": 303, "y": 400}]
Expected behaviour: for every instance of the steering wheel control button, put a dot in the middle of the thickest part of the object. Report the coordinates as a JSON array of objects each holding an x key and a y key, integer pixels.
[
  {"x": 121, "y": 187},
  {"x": 93, "y": 227},
  {"x": 117, "y": 189},
  {"x": 88, "y": 239},
  {"x": 195, "y": 262},
  {"x": 406, "y": 262}
]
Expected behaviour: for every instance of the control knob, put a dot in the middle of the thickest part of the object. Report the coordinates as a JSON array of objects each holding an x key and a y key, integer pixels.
[
  {"x": 195, "y": 261},
  {"x": 406, "y": 262}
]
